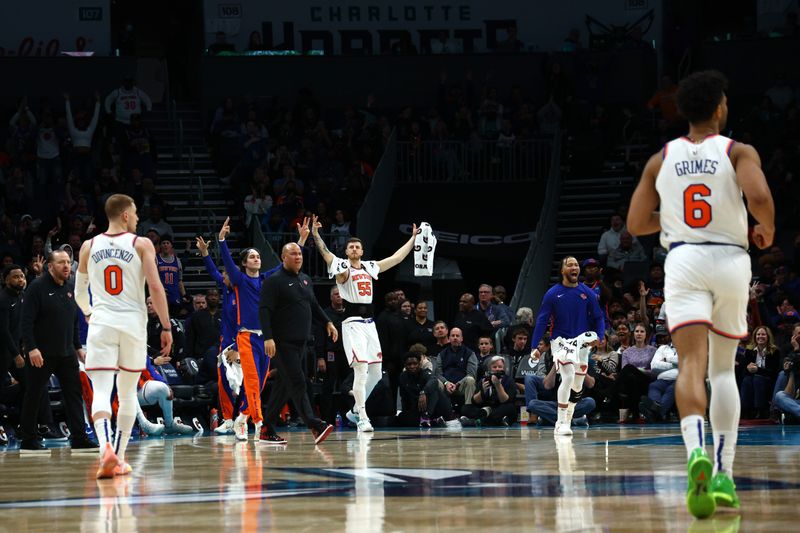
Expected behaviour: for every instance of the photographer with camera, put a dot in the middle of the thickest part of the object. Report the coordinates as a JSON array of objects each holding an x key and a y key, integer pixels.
[
  {"x": 787, "y": 388},
  {"x": 788, "y": 400},
  {"x": 493, "y": 403}
]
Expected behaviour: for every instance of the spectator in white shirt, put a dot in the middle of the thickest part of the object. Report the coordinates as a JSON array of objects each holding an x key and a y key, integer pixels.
[
  {"x": 127, "y": 100},
  {"x": 81, "y": 134},
  {"x": 609, "y": 240},
  {"x": 628, "y": 250}
]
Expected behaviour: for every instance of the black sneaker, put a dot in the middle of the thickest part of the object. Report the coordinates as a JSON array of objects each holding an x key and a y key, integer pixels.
[
  {"x": 32, "y": 446},
  {"x": 321, "y": 433},
  {"x": 271, "y": 438},
  {"x": 83, "y": 444},
  {"x": 47, "y": 433}
]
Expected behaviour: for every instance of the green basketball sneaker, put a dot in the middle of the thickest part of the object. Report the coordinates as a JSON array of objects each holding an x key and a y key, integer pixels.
[
  {"x": 699, "y": 499},
  {"x": 724, "y": 490}
]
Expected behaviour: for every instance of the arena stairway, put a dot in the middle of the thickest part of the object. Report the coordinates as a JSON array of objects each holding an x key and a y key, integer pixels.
[
  {"x": 188, "y": 183},
  {"x": 587, "y": 203}
]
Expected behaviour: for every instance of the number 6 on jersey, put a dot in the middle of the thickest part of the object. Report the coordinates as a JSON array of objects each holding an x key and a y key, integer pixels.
[{"x": 696, "y": 211}]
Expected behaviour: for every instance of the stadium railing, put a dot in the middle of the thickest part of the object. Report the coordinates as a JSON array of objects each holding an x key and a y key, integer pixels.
[{"x": 481, "y": 161}]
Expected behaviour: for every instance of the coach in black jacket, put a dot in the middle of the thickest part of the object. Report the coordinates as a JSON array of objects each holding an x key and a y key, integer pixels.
[
  {"x": 51, "y": 341},
  {"x": 285, "y": 309}
]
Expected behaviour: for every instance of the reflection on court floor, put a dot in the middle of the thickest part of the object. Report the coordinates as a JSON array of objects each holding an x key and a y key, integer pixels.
[{"x": 599, "y": 479}]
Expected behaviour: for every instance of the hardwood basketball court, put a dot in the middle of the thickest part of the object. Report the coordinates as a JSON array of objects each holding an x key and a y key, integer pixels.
[{"x": 629, "y": 478}]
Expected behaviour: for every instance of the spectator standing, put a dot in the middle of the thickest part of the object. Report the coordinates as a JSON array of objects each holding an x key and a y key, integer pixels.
[
  {"x": 471, "y": 321},
  {"x": 170, "y": 270},
  {"x": 126, "y": 101},
  {"x": 81, "y": 133},
  {"x": 420, "y": 329}
]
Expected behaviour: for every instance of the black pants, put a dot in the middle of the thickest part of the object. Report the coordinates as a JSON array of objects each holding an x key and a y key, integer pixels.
[
  {"x": 476, "y": 412},
  {"x": 632, "y": 384},
  {"x": 66, "y": 370},
  {"x": 331, "y": 401},
  {"x": 290, "y": 385}
]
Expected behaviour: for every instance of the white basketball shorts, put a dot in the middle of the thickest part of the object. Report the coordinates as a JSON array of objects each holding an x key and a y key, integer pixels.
[
  {"x": 708, "y": 284},
  {"x": 109, "y": 348},
  {"x": 360, "y": 340}
]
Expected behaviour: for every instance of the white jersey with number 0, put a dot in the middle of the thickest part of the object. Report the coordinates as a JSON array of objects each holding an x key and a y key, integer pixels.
[
  {"x": 701, "y": 200},
  {"x": 116, "y": 280},
  {"x": 357, "y": 288}
]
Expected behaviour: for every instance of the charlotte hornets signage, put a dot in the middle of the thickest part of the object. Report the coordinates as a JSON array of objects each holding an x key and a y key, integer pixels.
[{"x": 369, "y": 27}]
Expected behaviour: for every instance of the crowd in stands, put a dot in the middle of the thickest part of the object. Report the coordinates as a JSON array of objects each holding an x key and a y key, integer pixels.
[
  {"x": 283, "y": 163},
  {"x": 638, "y": 367}
]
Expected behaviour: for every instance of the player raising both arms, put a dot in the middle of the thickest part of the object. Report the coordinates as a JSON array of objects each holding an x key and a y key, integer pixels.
[
  {"x": 115, "y": 265},
  {"x": 249, "y": 339},
  {"x": 354, "y": 279},
  {"x": 698, "y": 181}
]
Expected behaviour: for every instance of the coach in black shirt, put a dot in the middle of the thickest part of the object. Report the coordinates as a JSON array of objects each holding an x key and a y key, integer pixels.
[
  {"x": 285, "y": 309},
  {"x": 51, "y": 342}
]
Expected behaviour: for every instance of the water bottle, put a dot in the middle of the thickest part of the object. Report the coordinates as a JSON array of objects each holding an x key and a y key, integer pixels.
[
  {"x": 338, "y": 420},
  {"x": 214, "y": 419}
]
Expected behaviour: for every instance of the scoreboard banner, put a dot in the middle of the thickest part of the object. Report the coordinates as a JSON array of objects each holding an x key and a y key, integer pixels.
[{"x": 369, "y": 27}]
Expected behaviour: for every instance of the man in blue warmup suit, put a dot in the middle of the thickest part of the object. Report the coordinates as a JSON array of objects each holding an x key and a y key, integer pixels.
[{"x": 574, "y": 310}]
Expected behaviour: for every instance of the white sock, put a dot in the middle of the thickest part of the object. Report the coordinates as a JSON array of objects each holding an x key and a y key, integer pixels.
[
  {"x": 562, "y": 414},
  {"x": 570, "y": 412},
  {"x": 693, "y": 431},
  {"x": 725, "y": 407},
  {"x": 567, "y": 373},
  {"x": 124, "y": 426},
  {"x": 360, "y": 389},
  {"x": 102, "y": 428},
  {"x": 126, "y": 415}
]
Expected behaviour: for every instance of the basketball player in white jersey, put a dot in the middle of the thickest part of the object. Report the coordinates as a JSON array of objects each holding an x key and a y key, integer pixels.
[
  {"x": 354, "y": 279},
  {"x": 698, "y": 180},
  {"x": 114, "y": 266}
]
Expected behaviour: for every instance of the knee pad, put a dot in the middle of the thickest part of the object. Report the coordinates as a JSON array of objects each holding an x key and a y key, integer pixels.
[{"x": 575, "y": 397}]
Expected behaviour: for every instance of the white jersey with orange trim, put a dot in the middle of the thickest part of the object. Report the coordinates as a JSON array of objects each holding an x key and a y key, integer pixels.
[
  {"x": 358, "y": 287},
  {"x": 701, "y": 201},
  {"x": 116, "y": 282}
]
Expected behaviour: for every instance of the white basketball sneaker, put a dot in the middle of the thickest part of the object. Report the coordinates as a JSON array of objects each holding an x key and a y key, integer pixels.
[
  {"x": 352, "y": 416},
  {"x": 226, "y": 428},
  {"x": 240, "y": 427},
  {"x": 364, "y": 426},
  {"x": 562, "y": 428}
]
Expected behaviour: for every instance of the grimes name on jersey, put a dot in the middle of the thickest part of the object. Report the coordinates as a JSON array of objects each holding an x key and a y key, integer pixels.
[
  {"x": 700, "y": 166},
  {"x": 112, "y": 253}
]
